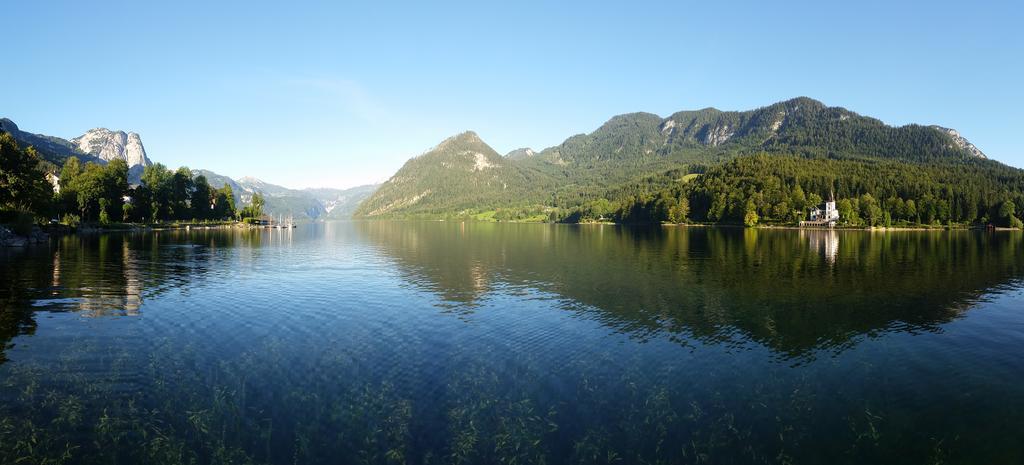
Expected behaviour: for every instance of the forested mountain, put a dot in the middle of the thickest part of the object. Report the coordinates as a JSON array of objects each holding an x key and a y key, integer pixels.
[
  {"x": 633, "y": 158},
  {"x": 634, "y": 143},
  {"x": 462, "y": 172}
]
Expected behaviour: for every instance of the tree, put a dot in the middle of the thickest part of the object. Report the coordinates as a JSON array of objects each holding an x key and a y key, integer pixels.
[
  {"x": 718, "y": 208},
  {"x": 601, "y": 208},
  {"x": 104, "y": 216},
  {"x": 23, "y": 184},
  {"x": 846, "y": 211},
  {"x": 89, "y": 189},
  {"x": 67, "y": 198},
  {"x": 799, "y": 199},
  {"x": 202, "y": 199},
  {"x": 750, "y": 216},
  {"x": 255, "y": 207},
  {"x": 869, "y": 210},
  {"x": 680, "y": 211},
  {"x": 662, "y": 208},
  {"x": 813, "y": 201},
  {"x": 1006, "y": 213},
  {"x": 156, "y": 181},
  {"x": 96, "y": 191},
  {"x": 115, "y": 185},
  {"x": 181, "y": 191},
  {"x": 911, "y": 208},
  {"x": 971, "y": 213},
  {"x": 141, "y": 204},
  {"x": 224, "y": 203},
  {"x": 781, "y": 210}
]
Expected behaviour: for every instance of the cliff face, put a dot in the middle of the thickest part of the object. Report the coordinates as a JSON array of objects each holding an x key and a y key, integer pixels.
[
  {"x": 97, "y": 145},
  {"x": 961, "y": 142},
  {"x": 108, "y": 145},
  {"x": 52, "y": 149}
]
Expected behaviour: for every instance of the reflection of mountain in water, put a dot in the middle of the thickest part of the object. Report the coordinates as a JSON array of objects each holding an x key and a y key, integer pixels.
[
  {"x": 793, "y": 292},
  {"x": 711, "y": 284}
]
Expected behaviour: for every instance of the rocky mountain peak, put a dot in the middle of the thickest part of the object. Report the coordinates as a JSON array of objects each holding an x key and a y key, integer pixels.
[
  {"x": 463, "y": 138},
  {"x": 109, "y": 145},
  {"x": 519, "y": 154},
  {"x": 8, "y": 126},
  {"x": 961, "y": 142},
  {"x": 460, "y": 145}
]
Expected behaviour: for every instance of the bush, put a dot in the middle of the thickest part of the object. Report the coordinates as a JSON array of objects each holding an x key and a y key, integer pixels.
[{"x": 70, "y": 220}]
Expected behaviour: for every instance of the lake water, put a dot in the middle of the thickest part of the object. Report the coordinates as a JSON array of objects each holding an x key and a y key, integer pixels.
[{"x": 430, "y": 343}]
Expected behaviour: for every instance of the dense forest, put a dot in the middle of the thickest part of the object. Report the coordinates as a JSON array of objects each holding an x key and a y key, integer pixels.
[
  {"x": 782, "y": 189},
  {"x": 100, "y": 193}
]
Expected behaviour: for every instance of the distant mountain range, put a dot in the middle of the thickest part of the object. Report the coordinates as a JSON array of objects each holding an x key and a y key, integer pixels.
[
  {"x": 630, "y": 153},
  {"x": 463, "y": 173},
  {"x": 306, "y": 204},
  {"x": 101, "y": 145}
]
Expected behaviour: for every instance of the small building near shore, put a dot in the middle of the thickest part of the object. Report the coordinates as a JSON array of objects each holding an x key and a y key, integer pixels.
[
  {"x": 826, "y": 215},
  {"x": 825, "y": 212}
]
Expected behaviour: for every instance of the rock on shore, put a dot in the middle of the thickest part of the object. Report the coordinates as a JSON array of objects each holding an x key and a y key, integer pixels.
[{"x": 9, "y": 239}]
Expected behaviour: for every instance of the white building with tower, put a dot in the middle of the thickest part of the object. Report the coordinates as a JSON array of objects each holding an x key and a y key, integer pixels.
[{"x": 825, "y": 214}]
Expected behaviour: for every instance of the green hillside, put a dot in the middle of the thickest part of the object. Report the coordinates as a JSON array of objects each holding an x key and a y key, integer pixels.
[
  {"x": 462, "y": 173},
  {"x": 633, "y": 160}
]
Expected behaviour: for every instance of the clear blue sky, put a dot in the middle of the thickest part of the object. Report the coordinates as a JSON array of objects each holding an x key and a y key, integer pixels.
[{"x": 337, "y": 94}]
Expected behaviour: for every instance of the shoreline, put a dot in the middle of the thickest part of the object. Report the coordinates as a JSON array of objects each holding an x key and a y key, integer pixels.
[
  {"x": 143, "y": 227},
  {"x": 846, "y": 228},
  {"x": 42, "y": 234},
  {"x": 921, "y": 228}
]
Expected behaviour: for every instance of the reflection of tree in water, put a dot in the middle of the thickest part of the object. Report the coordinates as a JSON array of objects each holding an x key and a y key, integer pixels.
[
  {"x": 715, "y": 284},
  {"x": 108, "y": 286},
  {"x": 106, "y": 275},
  {"x": 16, "y": 294}
]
